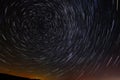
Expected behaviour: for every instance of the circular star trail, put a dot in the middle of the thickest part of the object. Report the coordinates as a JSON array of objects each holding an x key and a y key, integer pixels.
[{"x": 61, "y": 38}]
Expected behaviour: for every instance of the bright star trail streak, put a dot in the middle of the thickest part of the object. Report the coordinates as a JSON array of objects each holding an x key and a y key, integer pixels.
[
  {"x": 117, "y": 5},
  {"x": 60, "y": 39}
]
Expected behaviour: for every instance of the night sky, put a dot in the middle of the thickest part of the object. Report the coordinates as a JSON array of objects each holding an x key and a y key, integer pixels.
[{"x": 60, "y": 39}]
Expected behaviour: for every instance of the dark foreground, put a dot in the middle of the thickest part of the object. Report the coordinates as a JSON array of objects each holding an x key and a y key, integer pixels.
[{"x": 11, "y": 77}]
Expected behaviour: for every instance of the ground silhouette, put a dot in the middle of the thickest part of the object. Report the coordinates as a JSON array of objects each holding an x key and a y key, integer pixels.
[{"x": 11, "y": 77}]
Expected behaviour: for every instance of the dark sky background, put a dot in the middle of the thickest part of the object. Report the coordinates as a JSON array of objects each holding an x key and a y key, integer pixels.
[{"x": 60, "y": 39}]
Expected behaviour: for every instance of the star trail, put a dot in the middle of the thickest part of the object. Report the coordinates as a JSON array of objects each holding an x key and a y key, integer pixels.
[{"x": 60, "y": 39}]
